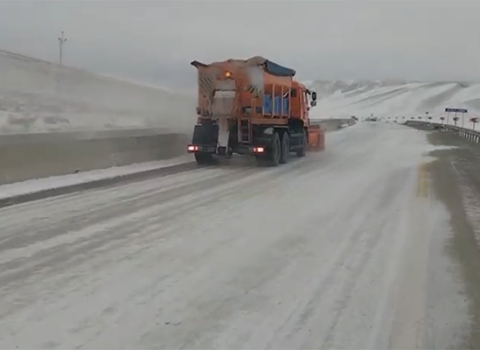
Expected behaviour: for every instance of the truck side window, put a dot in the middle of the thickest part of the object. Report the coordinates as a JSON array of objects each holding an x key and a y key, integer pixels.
[{"x": 294, "y": 93}]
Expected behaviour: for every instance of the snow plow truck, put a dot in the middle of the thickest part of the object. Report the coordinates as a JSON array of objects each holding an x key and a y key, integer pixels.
[{"x": 253, "y": 107}]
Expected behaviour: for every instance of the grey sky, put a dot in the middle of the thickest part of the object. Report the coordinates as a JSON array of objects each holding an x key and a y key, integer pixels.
[{"x": 155, "y": 40}]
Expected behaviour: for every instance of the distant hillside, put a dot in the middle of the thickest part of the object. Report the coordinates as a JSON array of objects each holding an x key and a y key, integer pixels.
[
  {"x": 38, "y": 96},
  {"x": 33, "y": 99},
  {"x": 393, "y": 98}
]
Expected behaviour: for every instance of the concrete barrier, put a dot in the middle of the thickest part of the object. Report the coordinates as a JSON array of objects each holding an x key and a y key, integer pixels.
[
  {"x": 31, "y": 156},
  {"x": 24, "y": 157},
  {"x": 331, "y": 124}
]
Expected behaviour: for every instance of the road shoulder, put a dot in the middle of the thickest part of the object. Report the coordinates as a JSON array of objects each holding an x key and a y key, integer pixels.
[{"x": 456, "y": 182}]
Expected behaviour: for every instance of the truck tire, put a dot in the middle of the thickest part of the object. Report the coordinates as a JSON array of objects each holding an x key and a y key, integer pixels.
[
  {"x": 273, "y": 158},
  {"x": 285, "y": 148},
  {"x": 302, "y": 151},
  {"x": 203, "y": 158}
]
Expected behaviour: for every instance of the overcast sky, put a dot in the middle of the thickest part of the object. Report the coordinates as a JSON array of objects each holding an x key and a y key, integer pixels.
[{"x": 155, "y": 40}]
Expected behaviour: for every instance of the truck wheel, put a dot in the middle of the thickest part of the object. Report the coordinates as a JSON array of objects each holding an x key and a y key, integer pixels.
[
  {"x": 275, "y": 152},
  {"x": 285, "y": 148},
  {"x": 302, "y": 151},
  {"x": 203, "y": 158}
]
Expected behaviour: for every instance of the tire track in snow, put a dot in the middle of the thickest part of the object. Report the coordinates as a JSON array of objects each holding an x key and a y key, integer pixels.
[
  {"x": 94, "y": 240},
  {"x": 297, "y": 325}
]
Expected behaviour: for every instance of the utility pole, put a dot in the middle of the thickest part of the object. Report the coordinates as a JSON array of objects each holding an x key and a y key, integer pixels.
[{"x": 61, "y": 41}]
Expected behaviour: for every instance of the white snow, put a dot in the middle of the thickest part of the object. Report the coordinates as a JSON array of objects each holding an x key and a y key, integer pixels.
[
  {"x": 37, "y": 185},
  {"x": 317, "y": 253},
  {"x": 33, "y": 100},
  {"x": 340, "y": 99}
]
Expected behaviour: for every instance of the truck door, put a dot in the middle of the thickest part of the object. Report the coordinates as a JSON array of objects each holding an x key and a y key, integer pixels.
[{"x": 303, "y": 102}]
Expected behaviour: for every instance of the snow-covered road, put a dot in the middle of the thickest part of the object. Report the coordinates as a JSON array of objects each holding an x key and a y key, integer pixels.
[{"x": 328, "y": 251}]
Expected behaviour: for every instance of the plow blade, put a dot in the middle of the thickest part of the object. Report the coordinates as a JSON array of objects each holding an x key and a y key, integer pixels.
[{"x": 316, "y": 138}]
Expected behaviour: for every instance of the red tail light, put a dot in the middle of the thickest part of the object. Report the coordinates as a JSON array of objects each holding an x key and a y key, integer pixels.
[{"x": 192, "y": 148}]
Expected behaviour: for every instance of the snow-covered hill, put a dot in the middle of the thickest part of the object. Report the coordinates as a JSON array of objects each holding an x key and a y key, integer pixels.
[
  {"x": 38, "y": 96},
  {"x": 393, "y": 98}
]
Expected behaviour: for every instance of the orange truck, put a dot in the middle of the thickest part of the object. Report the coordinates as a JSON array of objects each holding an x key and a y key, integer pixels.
[{"x": 253, "y": 107}]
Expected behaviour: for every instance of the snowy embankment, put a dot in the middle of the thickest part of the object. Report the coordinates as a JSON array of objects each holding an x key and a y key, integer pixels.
[
  {"x": 38, "y": 96},
  {"x": 56, "y": 182},
  {"x": 384, "y": 99}
]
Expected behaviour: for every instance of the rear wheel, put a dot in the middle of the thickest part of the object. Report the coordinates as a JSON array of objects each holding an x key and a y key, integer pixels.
[
  {"x": 302, "y": 151},
  {"x": 285, "y": 148},
  {"x": 273, "y": 157},
  {"x": 204, "y": 158}
]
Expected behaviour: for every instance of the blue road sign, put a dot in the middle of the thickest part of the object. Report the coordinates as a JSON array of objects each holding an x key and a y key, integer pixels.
[{"x": 456, "y": 110}]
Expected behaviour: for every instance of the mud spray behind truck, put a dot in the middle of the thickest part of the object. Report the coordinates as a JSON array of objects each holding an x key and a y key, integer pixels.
[{"x": 253, "y": 107}]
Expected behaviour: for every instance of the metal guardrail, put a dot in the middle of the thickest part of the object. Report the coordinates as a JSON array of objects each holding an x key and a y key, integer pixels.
[{"x": 469, "y": 134}]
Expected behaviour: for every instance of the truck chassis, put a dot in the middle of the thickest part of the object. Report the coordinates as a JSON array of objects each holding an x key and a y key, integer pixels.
[{"x": 271, "y": 145}]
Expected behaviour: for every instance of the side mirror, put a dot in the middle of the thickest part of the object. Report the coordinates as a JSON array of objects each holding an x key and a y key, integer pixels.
[
  {"x": 314, "y": 96},
  {"x": 313, "y": 103}
]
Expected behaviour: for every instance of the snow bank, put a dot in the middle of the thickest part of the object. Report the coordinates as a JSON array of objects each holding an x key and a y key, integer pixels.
[
  {"x": 38, "y": 96},
  {"x": 54, "y": 182},
  {"x": 342, "y": 99}
]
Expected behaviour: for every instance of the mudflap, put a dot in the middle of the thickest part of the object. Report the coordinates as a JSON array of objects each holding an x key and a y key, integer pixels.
[
  {"x": 206, "y": 136},
  {"x": 316, "y": 138}
]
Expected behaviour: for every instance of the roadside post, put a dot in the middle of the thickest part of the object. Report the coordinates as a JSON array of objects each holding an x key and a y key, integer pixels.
[
  {"x": 462, "y": 111},
  {"x": 474, "y": 121}
]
